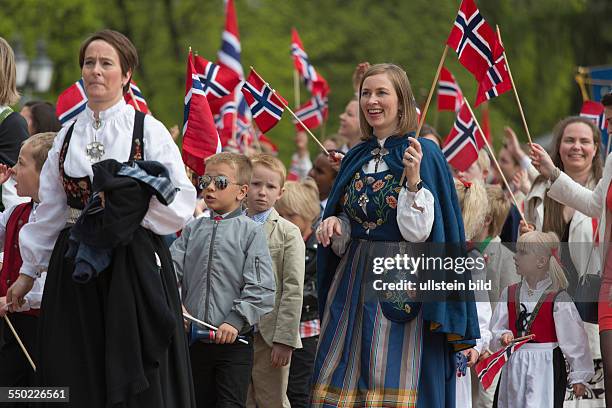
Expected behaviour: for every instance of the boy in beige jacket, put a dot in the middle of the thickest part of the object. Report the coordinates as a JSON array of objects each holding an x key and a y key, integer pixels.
[{"x": 277, "y": 332}]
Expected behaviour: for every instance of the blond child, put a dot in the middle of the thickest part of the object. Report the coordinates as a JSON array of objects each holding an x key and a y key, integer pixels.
[
  {"x": 474, "y": 209},
  {"x": 535, "y": 375},
  {"x": 278, "y": 332},
  {"x": 14, "y": 367},
  {"x": 300, "y": 205}
]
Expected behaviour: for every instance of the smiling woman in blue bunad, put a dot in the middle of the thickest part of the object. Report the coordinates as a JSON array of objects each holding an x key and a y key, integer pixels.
[{"x": 385, "y": 348}]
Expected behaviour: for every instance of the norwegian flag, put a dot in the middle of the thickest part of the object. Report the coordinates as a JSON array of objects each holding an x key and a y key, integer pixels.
[
  {"x": 138, "y": 101},
  {"x": 465, "y": 140},
  {"x": 224, "y": 119},
  {"x": 312, "y": 113},
  {"x": 229, "y": 54},
  {"x": 488, "y": 368},
  {"x": 473, "y": 40},
  {"x": 314, "y": 82},
  {"x": 217, "y": 80},
  {"x": 495, "y": 82},
  {"x": 480, "y": 51},
  {"x": 450, "y": 97},
  {"x": 71, "y": 102},
  {"x": 200, "y": 137},
  {"x": 266, "y": 107},
  {"x": 596, "y": 112}
]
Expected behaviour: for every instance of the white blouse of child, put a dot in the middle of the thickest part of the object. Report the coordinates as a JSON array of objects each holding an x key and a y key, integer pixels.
[
  {"x": 37, "y": 239},
  {"x": 569, "y": 328}
]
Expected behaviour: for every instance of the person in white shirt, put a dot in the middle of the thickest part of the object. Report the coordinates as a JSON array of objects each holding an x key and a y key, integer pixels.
[
  {"x": 535, "y": 375},
  {"x": 80, "y": 343}
]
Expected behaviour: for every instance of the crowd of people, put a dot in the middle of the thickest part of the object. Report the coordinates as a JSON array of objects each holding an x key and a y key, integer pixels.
[{"x": 137, "y": 285}]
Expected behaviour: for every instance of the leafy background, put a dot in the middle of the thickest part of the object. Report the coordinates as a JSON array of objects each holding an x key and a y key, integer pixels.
[{"x": 545, "y": 41}]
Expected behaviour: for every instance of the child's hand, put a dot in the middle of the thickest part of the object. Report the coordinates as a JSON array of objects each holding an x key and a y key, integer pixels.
[
  {"x": 20, "y": 288},
  {"x": 471, "y": 355},
  {"x": 485, "y": 354},
  {"x": 506, "y": 339},
  {"x": 579, "y": 390},
  {"x": 226, "y": 334},
  {"x": 525, "y": 228},
  {"x": 281, "y": 355},
  {"x": 5, "y": 173}
]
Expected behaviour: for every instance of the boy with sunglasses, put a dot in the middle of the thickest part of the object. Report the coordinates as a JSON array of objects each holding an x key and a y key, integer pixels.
[{"x": 224, "y": 270}]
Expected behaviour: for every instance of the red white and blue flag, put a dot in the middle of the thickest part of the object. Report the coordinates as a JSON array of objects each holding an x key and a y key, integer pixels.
[
  {"x": 495, "y": 82},
  {"x": 597, "y": 113},
  {"x": 226, "y": 115},
  {"x": 465, "y": 140},
  {"x": 200, "y": 137},
  {"x": 229, "y": 54},
  {"x": 313, "y": 81},
  {"x": 312, "y": 113},
  {"x": 450, "y": 97},
  {"x": 217, "y": 80},
  {"x": 488, "y": 368},
  {"x": 266, "y": 106},
  {"x": 480, "y": 51},
  {"x": 138, "y": 101},
  {"x": 71, "y": 102}
]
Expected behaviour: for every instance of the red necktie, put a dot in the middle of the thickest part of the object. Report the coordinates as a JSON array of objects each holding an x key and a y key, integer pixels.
[{"x": 217, "y": 218}]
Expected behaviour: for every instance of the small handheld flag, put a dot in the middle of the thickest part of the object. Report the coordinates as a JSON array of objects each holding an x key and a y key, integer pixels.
[
  {"x": 217, "y": 81},
  {"x": 314, "y": 82},
  {"x": 229, "y": 54},
  {"x": 465, "y": 140},
  {"x": 71, "y": 102},
  {"x": 312, "y": 113},
  {"x": 266, "y": 106},
  {"x": 480, "y": 51},
  {"x": 488, "y": 368},
  {"x": 450, "y": 97},
  {"x": 200, "y": 137}
]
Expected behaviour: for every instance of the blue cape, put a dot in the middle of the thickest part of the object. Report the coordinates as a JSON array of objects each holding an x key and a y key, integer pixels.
[{"x": 456, "y": 318}]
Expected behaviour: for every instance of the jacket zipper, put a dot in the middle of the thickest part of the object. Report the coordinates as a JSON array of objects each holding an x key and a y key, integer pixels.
[
  {"x": 257, "y": 269},
  {"x": 210, "y": 254}
]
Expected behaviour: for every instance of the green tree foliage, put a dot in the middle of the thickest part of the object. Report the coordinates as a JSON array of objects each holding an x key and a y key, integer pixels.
[{"x": 545, "y": 40}]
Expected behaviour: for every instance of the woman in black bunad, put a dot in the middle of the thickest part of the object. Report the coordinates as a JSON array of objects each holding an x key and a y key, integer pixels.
[{"x": 116, "y": 340}]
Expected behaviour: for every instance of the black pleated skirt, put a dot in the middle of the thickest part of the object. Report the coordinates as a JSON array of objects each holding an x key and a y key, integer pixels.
[{"x": 72, "y": 344}]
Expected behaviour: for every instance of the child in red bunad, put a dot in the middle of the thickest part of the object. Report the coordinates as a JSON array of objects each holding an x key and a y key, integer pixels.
[
  {"x": 535, "y": 375},
  {"x": 15, "y": 369}
]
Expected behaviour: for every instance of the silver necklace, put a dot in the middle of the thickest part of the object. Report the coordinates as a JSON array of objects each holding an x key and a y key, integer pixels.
[{"x": 95, "y": 149}]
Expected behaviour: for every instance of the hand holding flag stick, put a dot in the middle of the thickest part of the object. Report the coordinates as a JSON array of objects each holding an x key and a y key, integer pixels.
[
  {"x": 208, "y": 326},
  {"x": 426, "y": 108},
  {"x": 291, "y": 112},
  {"x": 25, "y": 351},
  {"x": 518, "y": 100}
]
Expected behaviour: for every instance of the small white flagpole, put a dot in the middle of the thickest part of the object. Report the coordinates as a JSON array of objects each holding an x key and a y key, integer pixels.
[
  {"x": 209, "y": 326},
  {"x": 494, "y": 159},
  {"x": 292, "y": 113},
  {"x": 25, "y": 351}
]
